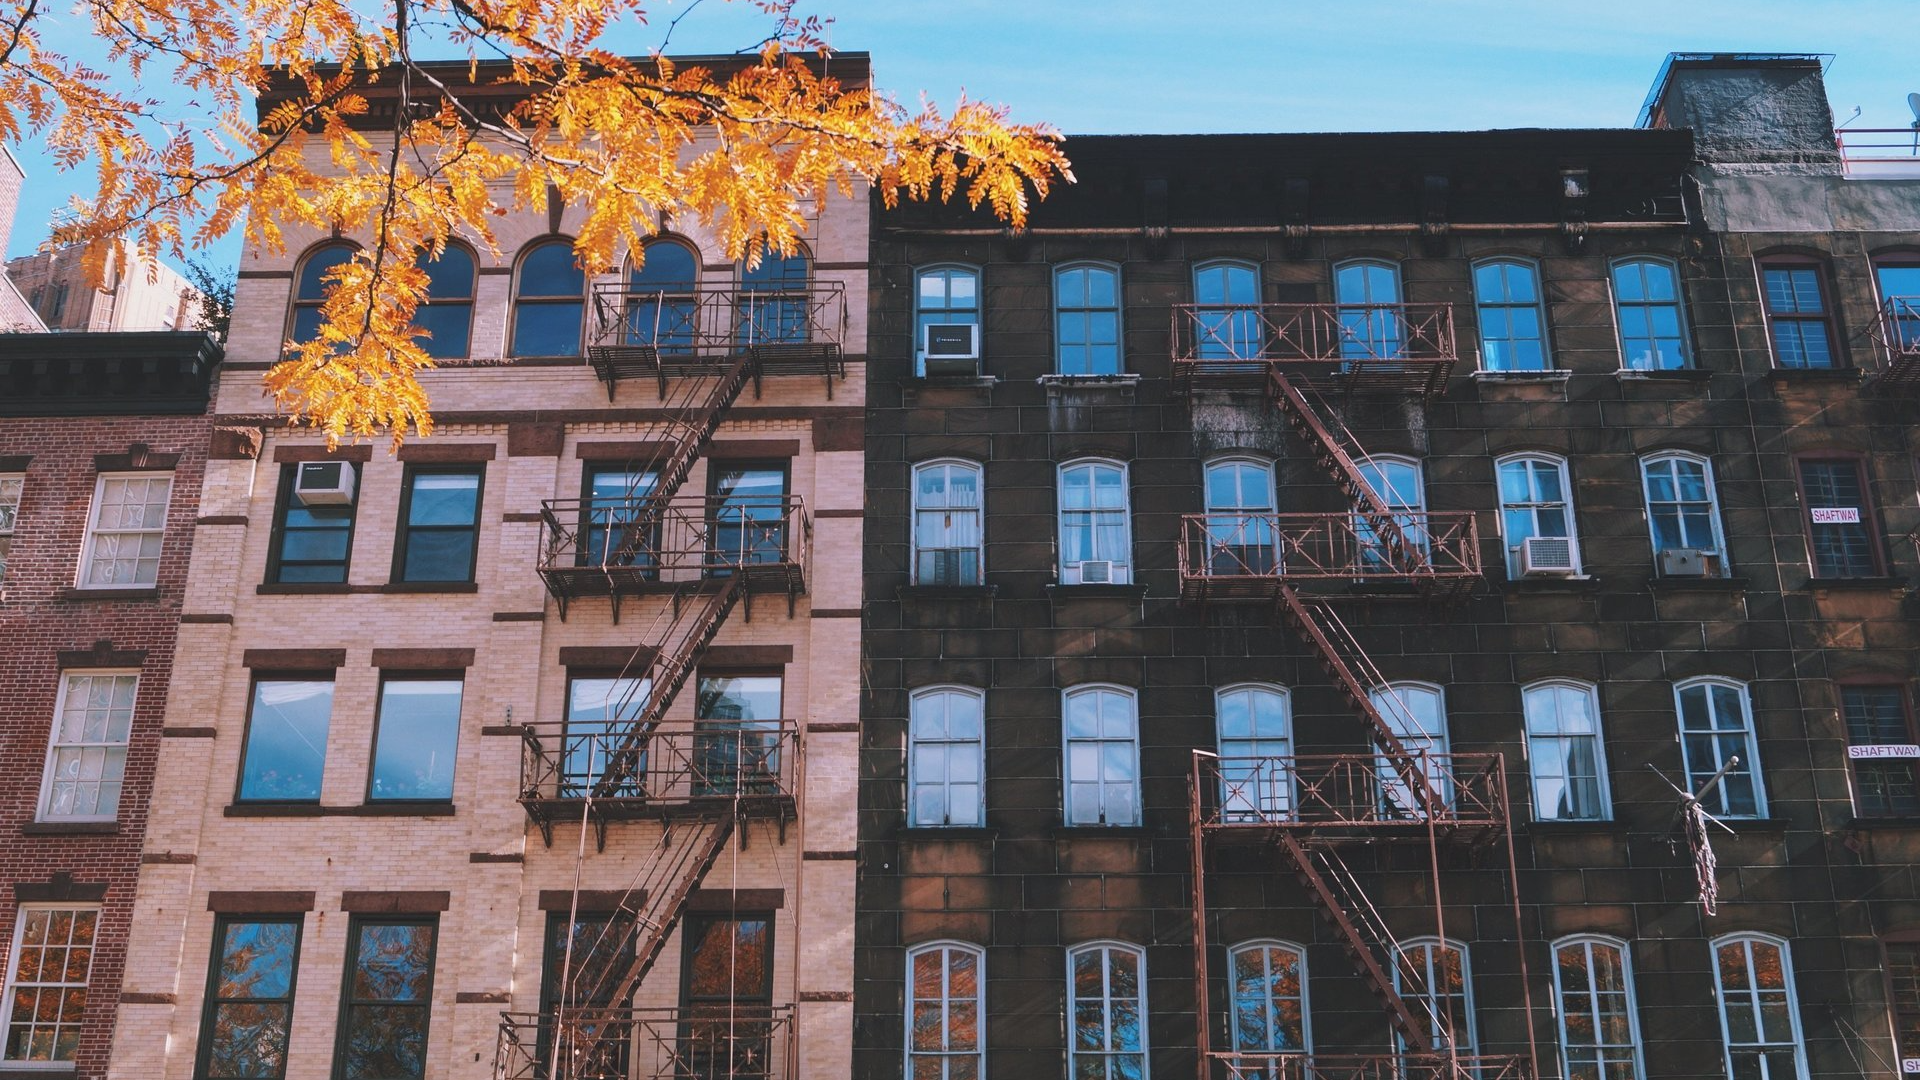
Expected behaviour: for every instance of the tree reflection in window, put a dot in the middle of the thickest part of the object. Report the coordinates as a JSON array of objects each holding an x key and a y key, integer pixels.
[
  {"x": 728, "y": 991},
  {"x": 383, "y": 1032},
  {"x": 250, "y": 1003},
  {"x": 944, "y": 1012},
  {"x": 1107, "y": 1006}
]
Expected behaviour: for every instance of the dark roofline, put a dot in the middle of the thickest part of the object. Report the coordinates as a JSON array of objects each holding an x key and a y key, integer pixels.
[
  {"x": 107, "y": 373},
  {"x": 1818, "y": 61}
]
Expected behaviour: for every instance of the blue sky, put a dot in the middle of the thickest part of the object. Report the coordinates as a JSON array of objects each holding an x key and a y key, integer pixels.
[{"x": 1289, "y": 65}]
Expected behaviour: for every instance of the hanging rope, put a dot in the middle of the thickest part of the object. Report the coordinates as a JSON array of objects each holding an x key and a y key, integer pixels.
[{"x": 1690, "y": 820}]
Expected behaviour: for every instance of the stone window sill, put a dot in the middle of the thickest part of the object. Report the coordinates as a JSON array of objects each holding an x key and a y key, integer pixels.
[
  {"x": 1699, "y": 584},
  {"x": 1097, "y": 592},
  {"x": 1122, "y": 379},
  {"x": 926, "y": 834},
  {"x": 961, "y": 382},
  {"x": 1888, "y": 822},
  {"x": 70, "y": 828},
  {"x": 1664, "y": 374},
  {"x": 314, "y": 810},
  {"x": 1577, "y": 583},
  {"x": 1778, "y": 376},
  {"x": 15, "y": 1071},
  {"x": 1550, "y": 375},
  {"x": 122, "y": 595},
  {"x": 1583, "y": 827},
  {"x": 303, "y": 588},
  {"x": 1863, "y": 584},
  {"x": 947, "y": 592},
  {"x": 1763, "y": 825},
  {"x": 1099, "y": 832},
  {"x": 431, "y": 587}
]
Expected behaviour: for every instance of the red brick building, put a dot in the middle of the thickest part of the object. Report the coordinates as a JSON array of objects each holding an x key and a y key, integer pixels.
[{"x": 103, "y": 442}]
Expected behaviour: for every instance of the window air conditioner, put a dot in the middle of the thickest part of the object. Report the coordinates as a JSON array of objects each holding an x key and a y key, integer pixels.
[
  {"x": 1096, "y": 572},
  {"x": 951, "y": 348},
  {"x": 1685, "y": 563},
  {"x": 1546, "y": 556},
  {"x": 323, "y": 483}
]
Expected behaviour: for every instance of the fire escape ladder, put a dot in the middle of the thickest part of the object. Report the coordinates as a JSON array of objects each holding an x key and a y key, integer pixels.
[
  {"x": 686, "y": 434},
  {"x": 693, "y": 628},
  {"x": 1338, "y": 453}
]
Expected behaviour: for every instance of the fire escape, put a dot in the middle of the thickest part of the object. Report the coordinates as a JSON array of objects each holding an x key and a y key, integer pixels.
[
  {"x": 1322, "y": 816},
  {"x": 1899, "y": 334},
  {"x": 698, "y": 557}
]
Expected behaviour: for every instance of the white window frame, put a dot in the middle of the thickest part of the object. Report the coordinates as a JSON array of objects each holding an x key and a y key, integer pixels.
[
  {"x": 13, "y": 486},
  {"x": 1747, "y": 940},
  {"x": 1106, "y": 948},
  {"x": 44, "y": 806},
  {"x": 979, "y": 514},
  {"x": 1715, "y": 801},
  {"x": 1603, "y": 792},
  {"x": 1538, "y": 306},
  {"x": 12, "y": 980},
  {"x": 1387, "y": 700},
  {"x": 1512, "y": 546},
  {"x": 1687, "y": 360},
  {"x": 1383, "y": 321},
  {"x": 1409, "y": 516},
  {"x": 1118, "y": 309},
  {"x": 946, "y": 948},
  {"x": 1231, "y": 330},
  {"x": 95, "y": 533},
  {"x": 1719, "y": 548},
  {"x": 1426, "y": 943},
  {"x": 1068, "y": 741},
  {"x": 1262, "y": 789},
  {"x": 1123, "y": 567},
  {"x": 1233, "y": 1010},
  {"x": 979, "y": 745},
  {"x": 1589, "y": 942},
  {"x": 977, "y": 314}
]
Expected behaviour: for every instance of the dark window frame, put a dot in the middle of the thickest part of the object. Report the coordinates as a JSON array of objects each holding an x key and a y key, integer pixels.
[
  {"x": 1902, "y": 688},
  {"x": 521, "y": 296},
  {"x": 715, "y": 918},
  {"x": 246, "y": 734},
  {"x": 379, "y": 717},
  {"x": 784, "y": 465},
  {"x": 403, "y": 532},
  {"x": 356, "y": 923},
  {"x": 283, "y": 502},
  {"x": 1119, "y": 310},
  {"x": 1896, "y": 937},
  {"x": 1691, "y": 360},
  {"x": 1869, "y": 515},
  {"x": 209, "y": 1005},
  {"x": 584, "y": 546},
  {"x": 1828, "y": 318},
  {"x": 297, "y": 303},
  {"x": 469, "y": 301}
]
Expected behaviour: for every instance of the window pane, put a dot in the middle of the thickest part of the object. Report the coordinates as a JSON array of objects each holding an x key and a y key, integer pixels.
[
  {"x": 419, "y": 729},
  {"x": 444, "y": 499},
  {"x": 87, "y": 750},
  {"x": 46, "y": 996},
  {"x": 286, "y": 741},
  {"x": 313, "y": 272}
]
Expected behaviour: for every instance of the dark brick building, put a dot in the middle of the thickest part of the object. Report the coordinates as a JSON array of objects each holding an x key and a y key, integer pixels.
[
  {"x": 1448, "y": 494},
  {"x": 103, "y": 439}
]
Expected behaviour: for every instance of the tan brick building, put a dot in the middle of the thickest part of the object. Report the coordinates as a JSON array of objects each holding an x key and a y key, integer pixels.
[{"x": 424, "y": 716}]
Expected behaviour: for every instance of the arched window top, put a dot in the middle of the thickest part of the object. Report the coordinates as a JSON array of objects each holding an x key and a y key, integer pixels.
[
  {"x": 667, "y": 263},
  {"x": 1254, "y": 687},
  {"x": 1506, "y": 279},
  {"x": 1655, "y": 456},
  {"x": 1253, "y": 710},
  {"x": 948, "y": 463},
  {"x": 311, "y": 280},
  {"x": 1710, "y": 680},
  {"x": 1411, "y": 707},
  {"x": 1239, "y": 482},
  {"x": 1749, "y": 935},
  {"x": 943, "y": 689},
  {"x": 1367, "y": 281},
  {"x": 1226, "y": 282},
  {"x": 1107, "y": 945},
  {"x": 776, "y": 272},
  {"x": 549, "y": 269},
  {"x": 1558, "y": 683},
  {"x": 945, "y": 944},
  {"x": 1087, "y": 284},
  {"x": 1608, "y": 940},
  {"x": 1084, "y": 689},
  {"x": 1653, "y": 278},
  {"x": 1093, "y": 463},
  {"x": 1551, "y": 457},
  {"x": 450, "y": 274},
  {"x": 947, "y": 287}
]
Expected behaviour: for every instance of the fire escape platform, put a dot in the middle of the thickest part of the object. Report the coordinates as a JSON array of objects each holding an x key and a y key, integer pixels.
[
  {"x": 673, "y": 546},
  {"x": 1899, "y": 334},
  {"x": 1230, "y": 1065},
  {"x": 1335, "y": 350},
  {"x": 719, "y": 768},
  {"x": 1250, "y": 557},
  {"x": 701, "y": 332}
]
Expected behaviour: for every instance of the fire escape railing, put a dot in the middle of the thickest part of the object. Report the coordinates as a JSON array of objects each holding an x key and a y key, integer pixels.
[
  {"x": 1367, "y": 349},
  {"x": 1312, "y": 792},
  {"x": 1239, "y": 555},
  {"x": 732, "y": 1042},
  {"x": 1303, "y": 1066},
  {"x": 648, "y": 544},
  {"x": 1898, "y": 330},
  {"x": 673, "y": 770},
  {"x": 660, "y": 333}
]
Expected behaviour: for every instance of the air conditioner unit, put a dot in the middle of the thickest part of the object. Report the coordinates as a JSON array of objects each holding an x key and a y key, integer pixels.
[
  {"x": 1546, "y": 556},
  {"x": 950, "y": 348},
  {"x": 1097, "y": 572},
  {"x": 323, "y": 483},
  {"x": 1685, "y": 563}
]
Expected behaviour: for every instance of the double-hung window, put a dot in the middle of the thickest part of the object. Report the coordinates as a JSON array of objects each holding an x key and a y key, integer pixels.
[
  {"x": 1716, "y": 726},
  {"x": 248, "y": 1016},
  {"x": 446, "y": 312},
  {"x": 1838, "y": 512},
  {"x": 440, "y": 524},
  {"x": 601, "y": 711},
  {"x": 1102, "y": 756},
  {"x": 1513, "y": 335},
  {"x": 388, "y": 996},
  {"x": 946, "y": 757},
  {"x": 125, "y": 529},
  {"x": 46, "y": 989},
  {"x": 944, "y": 296},
  {"x": 1242, "y": 528},
  {"x": 1416, "y": 713},
  {"x": 1432, "y": 976},
  {"x": 11, "y": 485},
  {"x": 310, "y": 288},
  {"x": 1269, "y": 1002},
  {"x": 1599, "y": 1037},
  {"x": 313, "y": 534},
  {"x": 1565, "y": 752},
  {"x": 663, "y": 301},
  {"x": 1799, "y": 319},
  {"x": 1536, "y": 516},
  {"x": 775, "y": 304},
  {"x": 947, "y": 542},
  {"x": 1398, "y": 486},
  {"x": 284, "y": 755},
  {"x": 549, "y": 301},
  {"x": 1372, "y": 323},
  {"x": 87, "y": 750},
  {"x": 1086, "y": 320},
  {"x": 415, "y": 737},
  {"x": 1760, "y": 1015},
  {"x": 1226, "y": 312},
  {"x": 1682, "y": 510},
  {"x": 1881, "y": 748},
  {"x": 1107, "y": 1008},
  {"x": 1096, "y": 531},
  {"x": 1646, "y": 309},
  {"x": 1255, "y": 725},
  {"x": 946, "y": 1012},
  {"x": 737, "y": 740}
]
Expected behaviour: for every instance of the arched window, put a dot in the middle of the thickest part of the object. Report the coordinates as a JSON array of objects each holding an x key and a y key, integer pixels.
[
  {"x": 1513, "y": 326},
  {"x": 1368, "y": 292},
  {"x": 1432, "y": 976},
  {"x": 1086, "y": 319},
  {"x": 1255, "y": 724},
  {"x": 1242, "y": 531},
  {"x": 1416, "y": 713},
  {"x": 1598, "y": 1031},
  {"x": 310, "y": 288},
  {"x": 1565, "y": 752},
  {"x": 1536, "y": 516},
  {"x": 946, "y": 757},
  {"x": 947, "y": 296},
  {"x": 1226, "y": 300},
  {"x": 1716, "y": 726},
  {"x": 1793, "y": 294},
  {"x": 1395, "y": 481},
  {"x": 663, "y": 307},
  {"x": 1683, "y": 511},
  {"x": 947, "y": 542},
  {"x": 1759, "y": 1012},
  {"x": 1269, "y": 1004},
  {"x": 549, "y": 303},
  {"x": 773, "y": 299},
  {"x": 1107, "y": 1007},
  {"x": 1102, "y": 739},
  {"x": 1646, "y": 308},
  {"x": 1096, "y": 527},
  {"x": 946, "y": 1009},
  {"x": 447, "y": 313}
]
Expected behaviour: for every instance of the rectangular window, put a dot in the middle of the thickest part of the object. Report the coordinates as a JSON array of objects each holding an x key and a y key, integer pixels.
[
  {"x": 285, "y": 754},
  {"x": 726, "y": 995},
  {"x": 1513, "y": 337},
  {"x": 749, "y": 508},
  {"x": 46, "y": 992},
  {"x": 736, "y": 745},
  {"x": 1797, "y": 316},
  {"x": 313, "y": 533},
  {"x": 1564, "y": 752},
  {"x": 388, "y": 994},
  {"x": 10, "y": 487},
  {"x": 1086, "y": 313},
  {"x": 601, "y": 711},
  {"x": 602, "y": 952},
  {"x": 1881, "y": 748},
  {"x": 1757, "y": 1007},
  {"x": 1835, "y": 490},
  {"x": 1096, "y": 531},
  {"x": 415, "y": 738},
  {"x": 123, "y": 534},
  {"x": 1903, "y": 977},
  {"x": 611, "y": 532},
  {"x": 249, "y": 1008},
  {"x": 440, "y": 534},
  {"x": 944, "y": 766},
  {"x": 87, "y": 748},
  {"x": 946, "y": 523},
  {"x": 1103, "y": 758}
]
